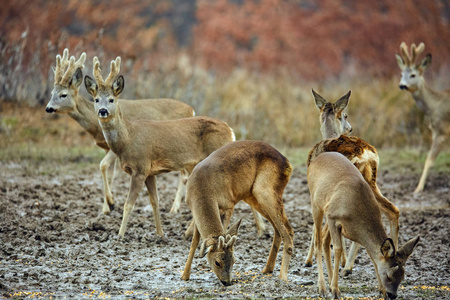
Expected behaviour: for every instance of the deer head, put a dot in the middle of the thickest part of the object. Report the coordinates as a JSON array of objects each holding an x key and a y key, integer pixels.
[
  {"x": 68, "y": 77},
  {"x": 391, "y": 269},
  {"x": 220, "y": 253},
  {"x": 105, "y": 92},
  {"x": 333, "y": 119},
  {"x": 412, "y": 70}
]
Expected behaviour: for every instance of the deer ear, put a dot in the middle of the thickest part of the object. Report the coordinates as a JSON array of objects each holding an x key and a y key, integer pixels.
[
  {"x": 204, "y": 250},
  {"x": 387, "y": 248},
  {"x": 342, "y": 103},
  {"x": 118, "y": 85},
  {"x": 319, "y": 100},
  {"x": 405, "y": 251},
  {"x": 234, "y": 228},
  {"x": 90, "y": 85},
  {"x": 77, "y": 78},
  {"x": 400, "y": 61},
  {"x": 425, "y": 63}
]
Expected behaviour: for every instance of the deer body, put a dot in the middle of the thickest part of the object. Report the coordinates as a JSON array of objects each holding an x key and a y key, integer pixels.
[
  {"x": 435, "y": 105},
  {"x": 341, "y": 195},
  {"x": 148, "y": 148},
  {"x": 253, "y": 172},
  {"x": 363, "y": 155},
  {"x": 66, "y": 99}
]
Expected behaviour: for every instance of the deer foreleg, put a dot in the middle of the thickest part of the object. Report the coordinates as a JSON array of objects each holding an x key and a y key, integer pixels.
[
  {"x": 436, "y": 147},
  {"x": 187, "y": 268},
  {"x": 107, "y": 170},
  {"x": 136, "y": 185},
  {"x": 150, "y": 182}
]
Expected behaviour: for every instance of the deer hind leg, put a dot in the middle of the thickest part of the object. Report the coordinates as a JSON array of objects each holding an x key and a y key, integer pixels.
[
  {"x": 318, "y": 217},
  {"x": 436, "y": 147},
  {"x": 351, "y": 259},
  {"x": 136, "y": 185},
  {"x": 150, "y": 182},
  {"x": 194, "y": 244},
  {"x": 260, "y": 226},
  {"x": 327, "y": 252},
  {"x": 180, "y": 191},
  {"x": 336, "y": 236},
  {"x": 107, "y": 170}
]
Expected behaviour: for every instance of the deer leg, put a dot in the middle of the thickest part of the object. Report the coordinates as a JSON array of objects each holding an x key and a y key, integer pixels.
[
  {"x": 344, "y": 253},
  {"x": 261, "y": 227},
  {"x": 194, "y": 244},
  {"x": 308, "y": 261},
  {"x": 318, "y": 217},
  {"x": 180, "y": 191},
  {"x": 436, "y": 147},
  {"x": 107, "y": 170},
  {"x": 351, "y": 259},
  {"x": 336, "y": 237},
  {"x": 327, "y": 253},
  {"x": 270, "y": 265},
  {"x": 381, "y": 286},
  {"x": 190, "y": 231},
  {"x": 136, "y": 185},
  {"x": 150, "y": 182}
]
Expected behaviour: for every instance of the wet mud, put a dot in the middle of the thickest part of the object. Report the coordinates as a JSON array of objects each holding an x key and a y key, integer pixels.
[{"x": 55, "y": 241}]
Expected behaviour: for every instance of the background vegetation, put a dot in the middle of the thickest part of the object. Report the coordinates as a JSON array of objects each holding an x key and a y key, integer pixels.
[{"x": 251, "y": 63}]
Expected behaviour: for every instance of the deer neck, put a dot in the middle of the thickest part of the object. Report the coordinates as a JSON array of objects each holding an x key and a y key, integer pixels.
[
  {"x": 329, "y": 130},
  {"x": 84, "y": 114},
  {"x": 115, "y": 133},
  {"x": 421, "y": 96}
]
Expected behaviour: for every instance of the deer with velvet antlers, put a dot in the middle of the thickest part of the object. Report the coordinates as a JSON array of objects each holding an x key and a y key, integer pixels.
[
  {"x": 148, "y": 148},
  {"x": 435, "y": 105},
  {"x": 334, "y": 129},
  {"x": 341, "y": 195},
  {"x": 66, "y": 99},
  {"x": 253, "y": 172}
]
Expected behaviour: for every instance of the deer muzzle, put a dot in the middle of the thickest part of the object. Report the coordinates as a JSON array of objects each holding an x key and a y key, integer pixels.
[
  {"x": 50, "y": 110},
  {"x": 103, "y": 113},
  {"x": 403, "y": 87}
]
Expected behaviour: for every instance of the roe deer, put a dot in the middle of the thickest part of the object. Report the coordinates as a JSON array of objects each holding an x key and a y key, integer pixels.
[
  {"x": 435, "y": 105},
  {"x": 340, "y": 193},
  {"x": 334, "y": 127},
  {"x": 67, "y": 100},
  {"x": 251, "y": 171},
  {"x": 148, "y": 148}
]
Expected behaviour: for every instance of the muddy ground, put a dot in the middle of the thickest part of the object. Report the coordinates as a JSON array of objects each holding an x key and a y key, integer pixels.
[{"x": 55, "y": 242}]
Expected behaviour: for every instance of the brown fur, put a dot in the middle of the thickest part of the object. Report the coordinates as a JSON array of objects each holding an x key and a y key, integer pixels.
[{"x": 253, "y": 172}]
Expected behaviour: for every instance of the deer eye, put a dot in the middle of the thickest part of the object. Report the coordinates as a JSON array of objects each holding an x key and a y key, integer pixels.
[
  {"x": 111, "y": 100},
  {"x": 96, "y": 100},
  {"x": 413, "y": 75},
  {"x": 63, "y": 96},
  {"x": 217, "y": 263}
]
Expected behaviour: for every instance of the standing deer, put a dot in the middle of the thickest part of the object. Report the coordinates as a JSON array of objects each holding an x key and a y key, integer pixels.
[
  {"x": 434, "y": 104},
  {"x": 340, "y": 193},
  {"x": 251, "y": 171},
  {"x": 148, "y": 148},
  {"x": 334, "y": 128},
  {"x": 67, "y": 100}
]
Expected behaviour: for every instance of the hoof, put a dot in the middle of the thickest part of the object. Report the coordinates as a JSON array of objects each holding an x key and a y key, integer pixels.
[
  {"x": 347, "y": 272},
  {"x": 308, "y": 264}
]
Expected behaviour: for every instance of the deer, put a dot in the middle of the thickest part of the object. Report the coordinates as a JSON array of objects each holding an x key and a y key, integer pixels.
[
  {"x": 147, "y": 148},
  {"x": 341, "y": 194},
  {"x": 335, "y": 128},
  {"x": 434, "y": 104},
  {"x": 66, "y": 99},
  {"x": 253, "y": 172}
]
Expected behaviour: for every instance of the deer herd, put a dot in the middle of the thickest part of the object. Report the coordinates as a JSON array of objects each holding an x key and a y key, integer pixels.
[{"x": 154, "y": 136}]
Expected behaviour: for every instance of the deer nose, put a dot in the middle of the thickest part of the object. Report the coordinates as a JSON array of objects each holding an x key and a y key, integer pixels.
[
  {"x": 403, "y": 87},
  {"x": 49, "y": 109},
  {"x": 226, "y": 283},
  {"x": 103, "y": 112},
  {"x": 391, "y": 296}
]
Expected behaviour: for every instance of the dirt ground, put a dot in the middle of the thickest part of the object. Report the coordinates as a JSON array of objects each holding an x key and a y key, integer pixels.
[{"x": 55, "y": 242}]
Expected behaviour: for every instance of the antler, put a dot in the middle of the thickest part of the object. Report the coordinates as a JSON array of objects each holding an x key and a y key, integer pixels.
[
  {"x": 114, "y": 71},
  {"x": 415, "y": 51},
  {"x": 65, "y": 68}
]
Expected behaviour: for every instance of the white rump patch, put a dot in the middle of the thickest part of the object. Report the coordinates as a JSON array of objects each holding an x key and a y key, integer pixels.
[{"x": 365, "y": 157}]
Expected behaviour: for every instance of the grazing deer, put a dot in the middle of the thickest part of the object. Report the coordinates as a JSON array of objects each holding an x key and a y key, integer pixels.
[
  {"x": 434, "y": 104},
  {"x": 148, "y": 148},
  {"x": 334, "y": 128},
  {"x": 340, "y": 193},
  {"x": 67, "y": 100},
  {"x": 251, "y": 171}
]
